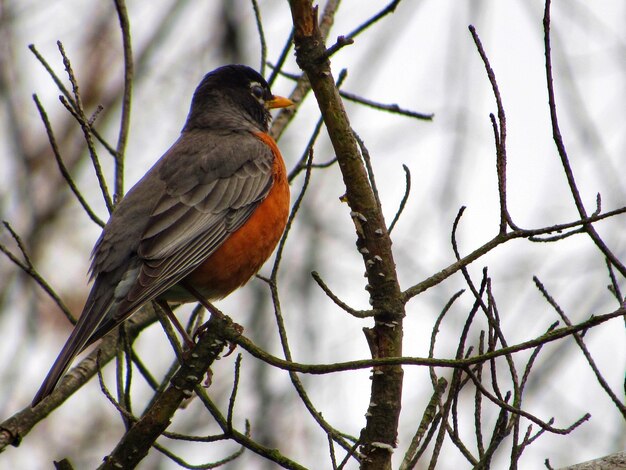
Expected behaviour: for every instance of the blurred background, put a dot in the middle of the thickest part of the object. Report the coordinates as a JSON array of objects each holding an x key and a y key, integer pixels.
[{"x": 421, "y": 57}]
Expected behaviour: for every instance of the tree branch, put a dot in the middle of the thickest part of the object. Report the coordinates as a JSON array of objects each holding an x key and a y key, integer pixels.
[
  {"x": 122, "y": 14},
  {"x": 136, "y": 443},
  {"x": 373, "y": 242}
]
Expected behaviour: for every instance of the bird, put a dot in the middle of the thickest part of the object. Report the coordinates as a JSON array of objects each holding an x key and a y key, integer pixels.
[{"x": 200, "y": 223}]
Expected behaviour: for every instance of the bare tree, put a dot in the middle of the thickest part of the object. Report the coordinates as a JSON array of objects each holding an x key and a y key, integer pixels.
[{"x": 459, "y": 359}]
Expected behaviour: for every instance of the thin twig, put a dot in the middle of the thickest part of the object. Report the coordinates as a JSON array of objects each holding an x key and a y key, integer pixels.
[
  {"x": 119, "y": 380},
  {"x": 233, "y": 393},
  {"x": 217, "y": 464},
  {"x": 342, "y": 42},
  {"x": 302, "y": 162},
  {"x": 327, "y": 164},
  {"x": 29, "y": 269},
  {"x": 122, "y": 14},
  {"x": 259, "y": 26},
  {"x": 581, "y": 344},
  {"x": 292, "y": 216},
  {"x": 458, "y": 382},
  {"x": 349, "y": 454},
  {"x": 391, "y": 108},
  {"x": 186, "y": 437},
  {"x": 143, "y": 370},
  {"x": 560, "y": 145},
  {"x": 57, "y": 81},
  {"x": 498, "y": 434},
  {"x": 331, "y": 448},
  {"x": 127, "y": 348},
  {"x": 338, "y": 301},
  {"x": 126, "y": 416},
  {"x": 500, "y": 137},
  {"x": 503, "y": 404},
  {"x": 281, "y": 59},
  {"x": 517, "y": 448},
  {"x": 405, "y": 198},
  {"x": 430, "y": 413},
  {"x": 244, "y": 439},
  {"x": 203, "y": 466},
  {"x": 493, "y": 317},
  {"x": 556, "y": 238},
  {"x": 62, "y": 168},
  {"x": 499, "y": 239},
  {"x": 444, "y": 408},
  {"x": 365, "y": 154},
  {"x": 390, "y": 8},
  {"x": 614, "y": 286},
  {"x": 79, "y": 114},
  {"x": 478, "y": 401}
]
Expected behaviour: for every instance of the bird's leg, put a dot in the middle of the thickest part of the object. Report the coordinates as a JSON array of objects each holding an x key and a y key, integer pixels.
[
  {"x": 170, "y": 314},
  {"x": 205, "y": 303},
  {"x": 211, "y": 309}
]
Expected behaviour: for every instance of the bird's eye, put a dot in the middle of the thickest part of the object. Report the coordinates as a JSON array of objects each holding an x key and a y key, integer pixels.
[{"x": 257, "y": 91}]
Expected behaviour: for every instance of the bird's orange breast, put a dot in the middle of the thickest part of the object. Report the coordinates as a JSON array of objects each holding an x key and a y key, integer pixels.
[{"x": 245, "y": 250}]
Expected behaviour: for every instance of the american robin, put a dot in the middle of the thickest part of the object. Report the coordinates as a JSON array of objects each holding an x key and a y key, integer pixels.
[{"x": 202, "y": 221}]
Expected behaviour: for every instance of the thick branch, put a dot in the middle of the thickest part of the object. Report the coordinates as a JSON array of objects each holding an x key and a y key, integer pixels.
[
  {"x": 373, "y": 242},
  {"x": 136, "y": 443}
]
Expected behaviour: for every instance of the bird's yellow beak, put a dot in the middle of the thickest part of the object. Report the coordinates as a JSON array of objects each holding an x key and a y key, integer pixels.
[{"x": 278, "y": 102}]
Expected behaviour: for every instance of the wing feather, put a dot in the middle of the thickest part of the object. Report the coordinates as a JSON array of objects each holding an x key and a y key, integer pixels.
[{"x": 190, "y": 222}]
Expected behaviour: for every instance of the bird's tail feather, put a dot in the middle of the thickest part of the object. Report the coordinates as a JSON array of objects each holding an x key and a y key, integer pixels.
[{"x": 80, "y": 338}]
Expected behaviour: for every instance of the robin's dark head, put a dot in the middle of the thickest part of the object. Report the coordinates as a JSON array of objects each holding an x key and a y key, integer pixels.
[{"x": 233, "y": 97}]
